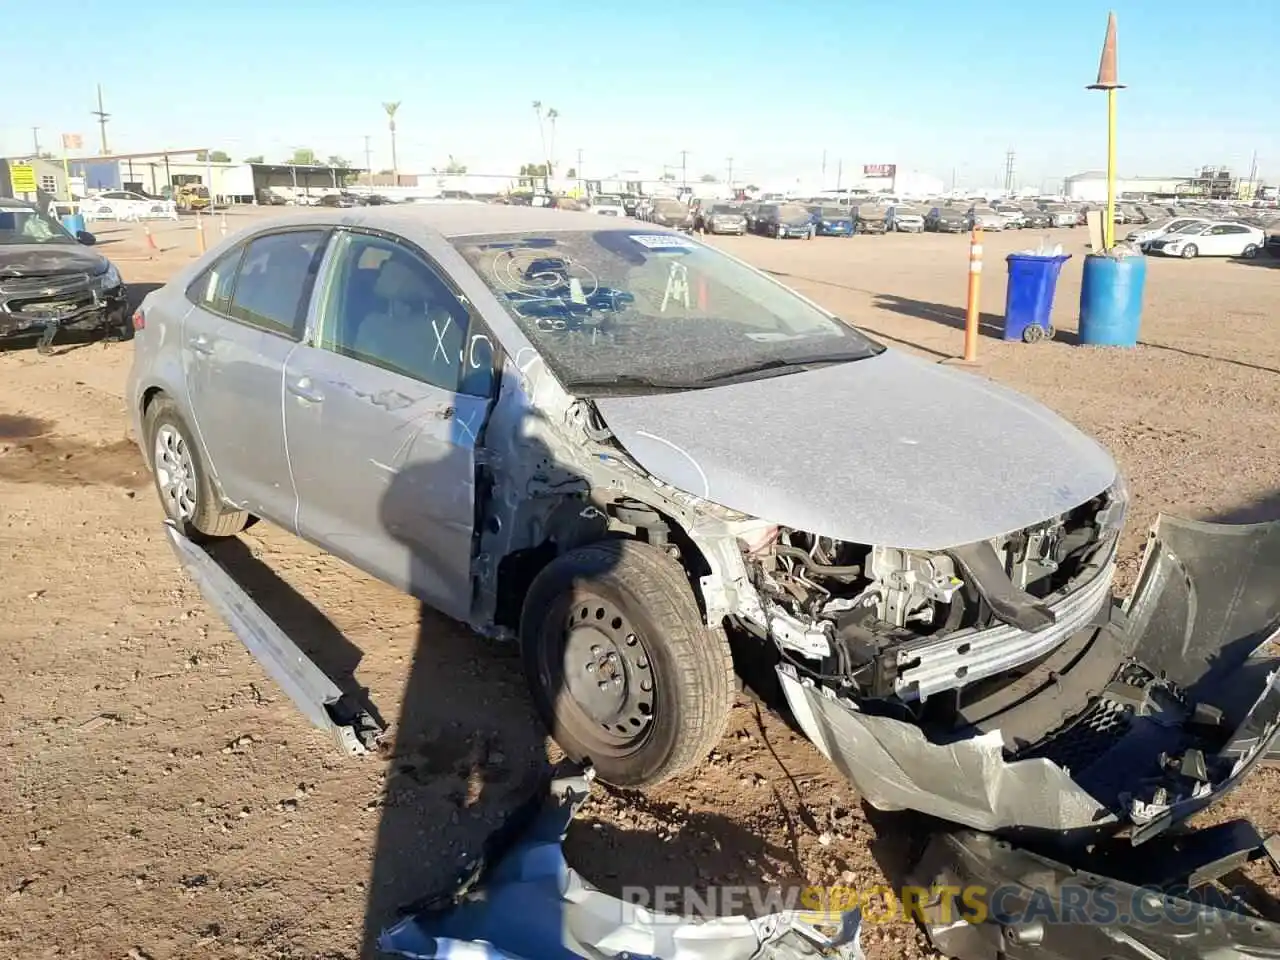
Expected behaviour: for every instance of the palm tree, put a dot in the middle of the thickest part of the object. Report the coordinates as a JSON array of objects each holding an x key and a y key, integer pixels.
[
  {"x": 391, "y": 109},
  {"x": 542, "y": 133},
  {"x": 553, "y": 114}
]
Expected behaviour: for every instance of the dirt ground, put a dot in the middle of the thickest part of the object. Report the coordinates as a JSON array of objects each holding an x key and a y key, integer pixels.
[{"x": 162, "y": 799}]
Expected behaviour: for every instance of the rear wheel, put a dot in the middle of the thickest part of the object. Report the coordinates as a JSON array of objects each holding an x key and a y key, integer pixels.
[
  {"x": 621, "y": 667},
  {"x": 186, "y": 490},
  {"x": 1250, "y": 251}
]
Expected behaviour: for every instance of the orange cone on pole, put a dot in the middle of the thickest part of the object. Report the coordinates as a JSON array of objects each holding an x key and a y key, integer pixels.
[
  {"x": 1107, "y": 69},
  {"x": 973, "y": 306},
  {"x": 151, "y": 241},
  {"x": 199, "y": 234},
  {"x": 1108, "y": 80}
]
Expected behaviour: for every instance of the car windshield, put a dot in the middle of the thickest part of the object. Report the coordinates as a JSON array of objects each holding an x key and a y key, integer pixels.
[
  {"x": 625, "y": 309},
  {"x": 983, "y": 212},
  {"x": 725, "y": 209},
  {"x": 835, "y": 212},
  {"x": 903, "y": 210},
  {"x": 670, "y": 208},
  {"x": 792, "y": 211},
  {"x": 29, "y": 225}
]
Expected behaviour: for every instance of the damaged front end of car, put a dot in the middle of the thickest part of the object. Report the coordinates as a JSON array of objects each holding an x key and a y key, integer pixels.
[
  {"x": 39, "y": 305},
  {"x": 1137, "y": 721}
]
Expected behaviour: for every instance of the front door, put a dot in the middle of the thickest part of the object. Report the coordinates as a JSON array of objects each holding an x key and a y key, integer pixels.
[
  {"x": 382, "y": 413},
  {"x": 249, "y": 316}
]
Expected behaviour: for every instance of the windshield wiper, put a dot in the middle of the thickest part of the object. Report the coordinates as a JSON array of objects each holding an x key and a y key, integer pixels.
[
  {"x": 630, "y": 381},
  {"x": 781, "y": 363}
]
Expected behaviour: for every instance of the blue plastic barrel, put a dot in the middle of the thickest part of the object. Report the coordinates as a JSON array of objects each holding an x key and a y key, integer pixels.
[
  {"x": 1028, "y": 298},
  {"x": 1111, "y": 300},
  {"x": 74, "y": 223}
]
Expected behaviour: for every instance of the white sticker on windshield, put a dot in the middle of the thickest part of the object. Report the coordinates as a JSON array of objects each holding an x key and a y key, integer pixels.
[{"x": 663, "y": 241}]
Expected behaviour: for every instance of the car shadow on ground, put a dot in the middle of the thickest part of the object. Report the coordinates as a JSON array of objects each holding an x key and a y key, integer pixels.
[
  {"x": 1259, "y": 261},
  {"x": 990, "y": 325}
]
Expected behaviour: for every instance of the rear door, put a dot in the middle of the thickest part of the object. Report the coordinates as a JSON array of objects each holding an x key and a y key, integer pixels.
[
  {"x": 383, "y": 406},
  {"x": 250, "y": 314}
]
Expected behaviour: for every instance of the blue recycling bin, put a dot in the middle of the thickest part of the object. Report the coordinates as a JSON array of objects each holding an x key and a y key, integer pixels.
[
  {"x": 1028, "y": 298},
  {"x": 74, "y": 223},
  {"x": 1111, "y": 300}
]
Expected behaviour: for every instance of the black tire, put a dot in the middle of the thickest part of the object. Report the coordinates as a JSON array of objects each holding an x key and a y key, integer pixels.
[
  {"x": 627, "y": 591},
  {"x": 1033, "y": 333},
  {"x": 1189, "y": 251},
  {"x": 1250, "y": 251},
  {"x": 211, "y": 519}
]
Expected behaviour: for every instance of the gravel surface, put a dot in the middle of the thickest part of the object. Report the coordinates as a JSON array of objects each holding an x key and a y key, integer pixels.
[{"x": 163, "y": 799}]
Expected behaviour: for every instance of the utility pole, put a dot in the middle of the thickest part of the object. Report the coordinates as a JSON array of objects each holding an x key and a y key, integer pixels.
[
  {"x": 103, "y": 117},
  {"x": 368, "y": 163},
  {"x": 578, "y": 168},
  {"x": 824, "y": 169},
  {"x": 731, "y": 174},
  {"x": 684, "y": 168},
  {"x": 1008, "y": 171},
  {"x": 839, "y": 171},
  {"x": 35, "y": 139},
  {"x": 1253, "y": 175},
  {"x": 391, "y": 109}
]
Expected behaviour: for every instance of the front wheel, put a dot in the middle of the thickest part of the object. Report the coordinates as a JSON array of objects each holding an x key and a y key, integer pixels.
[
  {"x": 1189, "y": 251},
  {"x": 621, "y": 667},
  {"x": 185, "y": 487}
]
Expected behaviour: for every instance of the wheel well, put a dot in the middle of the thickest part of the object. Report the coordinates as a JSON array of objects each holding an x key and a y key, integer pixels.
[
  {"x": 148, "y": 396},
  {"x": 627, "y": 519}
]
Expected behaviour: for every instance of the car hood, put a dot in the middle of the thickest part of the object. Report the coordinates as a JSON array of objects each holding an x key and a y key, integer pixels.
[
  {"x": 890, "y": 450},
  {"x": 44, "y": 259}
]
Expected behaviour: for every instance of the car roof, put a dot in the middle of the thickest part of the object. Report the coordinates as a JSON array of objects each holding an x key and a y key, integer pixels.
[
  {"x": 16, "y": 204},
  {"x": 447, "y": 219}
]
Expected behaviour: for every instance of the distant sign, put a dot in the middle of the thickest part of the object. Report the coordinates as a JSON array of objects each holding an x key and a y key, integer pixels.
[
  {"x": 23, "y": 178},
  {"x": 72, "y": 141},
  {"x": 880, "y": 170}
]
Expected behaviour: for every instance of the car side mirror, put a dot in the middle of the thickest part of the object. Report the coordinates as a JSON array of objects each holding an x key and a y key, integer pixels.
[{"x": 85, "y": 237}]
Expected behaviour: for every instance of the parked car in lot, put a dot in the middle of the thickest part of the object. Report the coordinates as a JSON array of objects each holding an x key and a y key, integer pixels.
[
  {"x": 671, "y": 213},
  {"x": 421, "y": 304},
  {"x": 1015, "y": 218},
  {"x": 342, "y": 200},
  {"x": 1033, "y": 218},
  {"x": 722, "y": 218},
  {"x": 1061, "y": 215},
  {"x": 50, "y": 282},
  {"x": 984, "y": 217},
  {"x": 607, "y": 205},
  {"x": 904, "y": 218},
  {"x": 832, "y": 220},
  {"x": 869, "y": 218},
  {"x": 946, "y": 220},
  {"x": 1133, "y": 214},
  {"x": 127, "y": 205},
  {"x": 1155, "y": 230},
  {"x": 622, "y": 446},
  {"x": 1221, "y": 238},
  {"x": 785, "y": 220}
]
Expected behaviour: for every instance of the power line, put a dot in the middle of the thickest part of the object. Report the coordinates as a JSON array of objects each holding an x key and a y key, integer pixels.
[
  {"x": 1008, "y": 171},
  {"x": 103, "y": 117}
]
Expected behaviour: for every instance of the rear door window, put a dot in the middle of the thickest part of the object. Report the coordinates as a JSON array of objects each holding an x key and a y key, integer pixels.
[
  {"x": 273, "y": 286},
  {"x": 212, "y": 289}
]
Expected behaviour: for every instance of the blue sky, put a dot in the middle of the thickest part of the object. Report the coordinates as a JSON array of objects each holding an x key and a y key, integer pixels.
[{"x": 927, "y": 84}]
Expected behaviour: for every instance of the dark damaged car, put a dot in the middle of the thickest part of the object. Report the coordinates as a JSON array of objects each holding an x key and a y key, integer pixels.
[
  {"x": 626, "y": 448},
  {"x": 50, "y": 282}
]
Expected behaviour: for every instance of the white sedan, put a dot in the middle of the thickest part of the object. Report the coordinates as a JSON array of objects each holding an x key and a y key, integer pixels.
[
  {"x": 1220, "y": 238},
  {"x": 127, "y": 205},
  {"x": 609, "y": 206},
  {"x": 1157, "y": 230}
]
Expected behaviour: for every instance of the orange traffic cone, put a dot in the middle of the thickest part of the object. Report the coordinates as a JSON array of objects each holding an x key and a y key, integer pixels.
[{"x": 151, "y": 241}]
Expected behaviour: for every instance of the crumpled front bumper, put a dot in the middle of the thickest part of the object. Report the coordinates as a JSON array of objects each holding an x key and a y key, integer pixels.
[
  {"x": 86, "y": 309},
  {"x": 1152, "y": 717}
]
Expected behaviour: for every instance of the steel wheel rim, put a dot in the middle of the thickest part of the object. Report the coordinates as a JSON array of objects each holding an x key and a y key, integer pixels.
[
  {"x": 175, "y": 473},
  {"x": 606, "y": 672}
]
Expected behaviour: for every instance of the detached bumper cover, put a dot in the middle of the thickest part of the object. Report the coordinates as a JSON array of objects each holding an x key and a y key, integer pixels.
[
  {"x": 1109, "y": 903},
  {"x": 523, "y": 902},
  {"x": 1183, "y": 710}
]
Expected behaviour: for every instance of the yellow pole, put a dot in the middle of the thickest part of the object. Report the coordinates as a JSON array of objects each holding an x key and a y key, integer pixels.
[
  {"x": 1109, "y": 228},
  {"x": 66, "y": 173}
]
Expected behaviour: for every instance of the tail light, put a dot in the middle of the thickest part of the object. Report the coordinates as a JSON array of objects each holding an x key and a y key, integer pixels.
[{"x": 139, "y": 319}]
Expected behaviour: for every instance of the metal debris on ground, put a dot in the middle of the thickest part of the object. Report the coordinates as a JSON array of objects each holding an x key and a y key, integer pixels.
[{"x": 522, "y": 901}]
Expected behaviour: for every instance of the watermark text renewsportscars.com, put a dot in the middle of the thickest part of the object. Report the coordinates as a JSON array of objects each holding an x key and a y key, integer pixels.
[{"x": 1009, "y": 904}]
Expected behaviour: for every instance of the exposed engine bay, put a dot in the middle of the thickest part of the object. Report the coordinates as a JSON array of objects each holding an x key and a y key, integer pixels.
[{"x": 880, "y": 622}]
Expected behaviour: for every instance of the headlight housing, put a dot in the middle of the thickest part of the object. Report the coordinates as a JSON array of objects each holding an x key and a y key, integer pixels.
[{"x": 109, "y": 278}]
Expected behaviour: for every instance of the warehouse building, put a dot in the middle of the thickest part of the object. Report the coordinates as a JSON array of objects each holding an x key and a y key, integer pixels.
[
  {"x": 49, "y": 178},
  {"x": 1211, "y": 182},
  {"x": 155, "y": 174}
]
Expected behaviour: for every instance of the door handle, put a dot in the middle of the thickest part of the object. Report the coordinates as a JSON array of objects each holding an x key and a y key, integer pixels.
[
  {"x": 305, "y": 389},
  {"x": 201, "y": 344}
]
